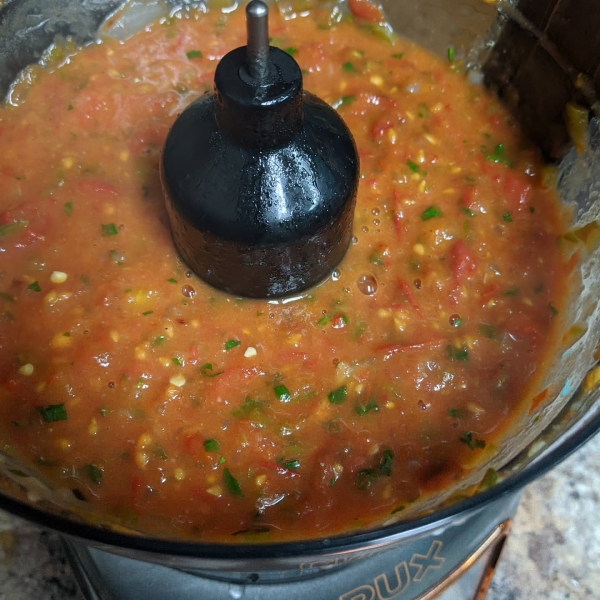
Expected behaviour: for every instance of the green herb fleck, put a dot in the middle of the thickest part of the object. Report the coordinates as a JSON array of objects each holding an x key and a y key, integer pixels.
[
  {"x": 431, "y": 213},
  {"x": 507, "y": 216},
  {"x": 345, "y": 100},
  {"x": 68, "y": 208},
  {"x": 385, "y": 466},
  {"x": 115, "y": 256},
  {"x": 109, "y": 229},
  {"x": 53, "y": 412},
  {"x": 487, "y": 331},
  {"x": 467, "y": 212},
  {"x": 211, "y": 445},
  {"x": 229, "y": 344},
  {"x": 450, "y": 53},
  {"x": 159, "y": 340},
  {"x": 282, "y": 393},
  {"x": 332, "y": 426},
  {"x": 399, "y": 55},
  {"x": 456, "y": 321},
  {"x": 349, "y": 67},
  {"x": 369, "y": 406},
  {"x": 291, "y": 465},
  {"x": 207, "y": 371},
  {"x": 93, "y": 473},
  {"x": 367, "y": 477},
  {"x": 473, "y": 443},
  {"x": 498, "y": 156},
  {"x": 232, "y": 484},
  {"x": 553, "y": 309},
  {"x": 511, "y": 291},
  {"x": 172, "y": 280},
  {"x": 377, "y": 258},
  {"x": 14, "y": 227},
  {"x": 414, "y": 167},
  {"x": 176, "y": 362},
  {"x": 457, "y": 354},
  {"x": 159, "y": 452},
  {"x": 360, "y": 330},
  {"x": 455, "y": 413},
  {"x": 34, "y": 287},
  {"x": 147, "y": 312},
  {"x": 338, "y": 395},
  {"x": 194, "y": 54},
  {"x": 291, "y": 50},
  {"x": 7, "y": 297},
  {"x": 248, "y": 408},
  {"x": 70, "y": 107}
]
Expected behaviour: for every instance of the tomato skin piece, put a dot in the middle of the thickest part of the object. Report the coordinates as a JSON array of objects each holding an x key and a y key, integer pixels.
[
  {"x": 193, "y": 444},
  {"x": 462, "y": 262},
  {"x": 366, "y": 10},
  {"x": 97, "y": 186},
  {"x": 516, "y": 190},
  {"x": 410, "y": 296}
]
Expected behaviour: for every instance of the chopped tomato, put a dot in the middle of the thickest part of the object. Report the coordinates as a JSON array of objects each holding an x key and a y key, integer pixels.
[{"x": 364, "y": 9}]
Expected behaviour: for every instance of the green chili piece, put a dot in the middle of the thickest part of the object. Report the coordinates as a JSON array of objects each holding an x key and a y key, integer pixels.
[{"x": 323, "y": 321}]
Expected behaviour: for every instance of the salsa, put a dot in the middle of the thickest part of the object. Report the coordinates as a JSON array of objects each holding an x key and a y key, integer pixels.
[{"x": 169, "y": 407}]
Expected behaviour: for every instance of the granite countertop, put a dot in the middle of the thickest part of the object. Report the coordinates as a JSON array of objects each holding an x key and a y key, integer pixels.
[{"x": 551, "y": 554}]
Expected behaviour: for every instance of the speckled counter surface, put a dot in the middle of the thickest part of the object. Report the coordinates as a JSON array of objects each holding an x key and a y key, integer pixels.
[{"x": 553, "y": 552}]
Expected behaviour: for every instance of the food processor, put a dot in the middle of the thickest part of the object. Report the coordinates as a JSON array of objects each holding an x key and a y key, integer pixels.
[{"x": 530, "y": 54}]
